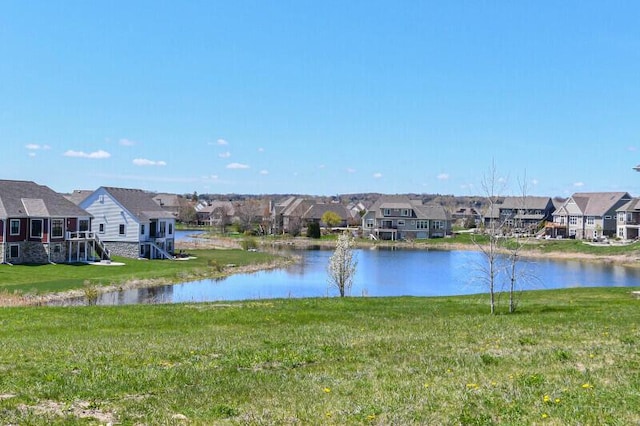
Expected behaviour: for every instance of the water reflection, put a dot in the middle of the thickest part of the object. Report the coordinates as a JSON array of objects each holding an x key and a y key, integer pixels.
[{"x": 380, "y": 272}]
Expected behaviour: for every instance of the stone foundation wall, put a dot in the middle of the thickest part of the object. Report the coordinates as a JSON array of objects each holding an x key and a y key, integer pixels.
[{"x": 131, "y": 250}]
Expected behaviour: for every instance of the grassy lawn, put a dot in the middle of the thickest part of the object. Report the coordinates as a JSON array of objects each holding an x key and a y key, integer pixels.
[
  {"x": 566, "y": 357},
  {"x": 52, "y": 278}
]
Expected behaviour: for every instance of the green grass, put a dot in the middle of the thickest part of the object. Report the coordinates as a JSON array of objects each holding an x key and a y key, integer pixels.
[
  {"x": 53, "y": 278},
  {"x": 566, "y": 357}
]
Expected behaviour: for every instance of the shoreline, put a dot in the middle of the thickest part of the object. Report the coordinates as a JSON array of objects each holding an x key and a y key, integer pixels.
[{"x": 300, "y": 243}]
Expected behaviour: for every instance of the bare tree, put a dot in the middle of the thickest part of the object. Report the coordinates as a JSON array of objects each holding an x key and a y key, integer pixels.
[
  {"x": 249, "y": 214},
  {"x": 491, "y": 185},
  {"x": 223, "y": 215},
  {"x": 342, "y": 265}
]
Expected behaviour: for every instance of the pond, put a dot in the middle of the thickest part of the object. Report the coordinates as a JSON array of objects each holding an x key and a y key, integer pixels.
[{"x": 381, "y": 272}]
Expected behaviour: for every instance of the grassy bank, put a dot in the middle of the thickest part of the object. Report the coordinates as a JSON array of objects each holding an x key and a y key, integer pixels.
[
  {"x": 567, "y": 357},
  {"x": 39, "y": 279}
]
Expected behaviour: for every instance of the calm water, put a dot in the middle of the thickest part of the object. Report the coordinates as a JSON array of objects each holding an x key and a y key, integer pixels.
[{"x": 380, "y": 273}]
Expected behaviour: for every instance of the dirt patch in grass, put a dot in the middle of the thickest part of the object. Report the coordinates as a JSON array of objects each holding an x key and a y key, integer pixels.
[{"x": 78, "y": 409}]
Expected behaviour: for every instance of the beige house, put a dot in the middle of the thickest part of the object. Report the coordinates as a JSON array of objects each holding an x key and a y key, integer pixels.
[
  {"x": 587, "y": 215},
  {"x": 628, "y": 219}
]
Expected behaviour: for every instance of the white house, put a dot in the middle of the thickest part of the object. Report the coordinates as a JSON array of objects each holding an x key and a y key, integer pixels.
[{"x": 131, "y": 223}]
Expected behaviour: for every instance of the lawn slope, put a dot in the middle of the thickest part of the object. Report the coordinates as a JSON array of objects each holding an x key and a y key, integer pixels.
[{"x": 566, "y": 357}]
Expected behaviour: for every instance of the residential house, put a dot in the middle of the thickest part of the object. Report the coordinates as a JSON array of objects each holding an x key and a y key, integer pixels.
[
  {"x": 397, "y": 217},
  {"x": 587, "y": 215},
  {"x": 286, "y": 215},
  {"x": 216, "y": 213},
  {"x": 38, "y": 225},
  {"x": 173, "y": 202},
  {"x": 628, "y": 220},
  {"x": 522, "y": 215},
  {"x": 315, "y": 212},
  {"x": 131, "y": 223}
]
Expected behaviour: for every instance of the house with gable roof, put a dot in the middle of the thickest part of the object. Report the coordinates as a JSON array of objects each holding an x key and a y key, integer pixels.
[
  {"x": 38, "y": 225},
  {"x": 520, "y": 214},
  {"x": 397, "y": 217},
  {"x": 587, "y": 215},
  {"x": 131, "y": 223},
  {"x": 628, "y": 220}
]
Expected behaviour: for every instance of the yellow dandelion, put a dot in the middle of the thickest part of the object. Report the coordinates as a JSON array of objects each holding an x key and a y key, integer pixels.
[
  {"x": 426, "y": 385},
  {"x": 371, "y": 417},
  {"x": 472, "y": 386},
  {"x": 545, "y": 415},
  {"x": 587, "y": 386},
  {"x": 546, "y": 398},
  {"x": 326, "y": 390},
  {"x": 329, "y": 414},
  {"x": 557, "y": 400}
]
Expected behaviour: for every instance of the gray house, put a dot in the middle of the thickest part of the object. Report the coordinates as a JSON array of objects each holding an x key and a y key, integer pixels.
[
  {"x": 397, "y": 217},
  {"x": 628, "y": 220},
  {"x": 589, "y": 214},
  {"x": 520, "y": 214}
]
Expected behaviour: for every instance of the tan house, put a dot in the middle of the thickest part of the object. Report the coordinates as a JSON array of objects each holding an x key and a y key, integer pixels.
[{"x": 589, "y": 215}]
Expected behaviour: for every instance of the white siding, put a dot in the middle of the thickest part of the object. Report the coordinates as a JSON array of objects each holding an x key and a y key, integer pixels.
[{"x": 109, "y": 212}]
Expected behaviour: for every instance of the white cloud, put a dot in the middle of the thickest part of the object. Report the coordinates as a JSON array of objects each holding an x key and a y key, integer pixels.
[
  {"x": 97, "y": 155},
  {"x": 322, "y": 166},
  {"x": 36, "y": 147},
  {"x": 145, "y": 162},
  {"x": 222, "y": 142},
  {"x": 350, "y": 170},
  {"x": 377, "y": 175},
  {"x": 578, "y": 184},
  {"x": 260, "y": 149},
  {"x": 226, "y": 154},
  {"x": 237, "y": 166},
  {"x": 264, "y": 172},
  {"x": 443, "y": 176},
  {"x": 126, "y": 142},
  {"x": 32, "y": 154},
  {"x": 534, "y": 181}
]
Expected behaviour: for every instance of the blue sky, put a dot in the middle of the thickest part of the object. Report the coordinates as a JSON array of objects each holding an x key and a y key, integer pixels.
[{"x": 321, "y": 97}]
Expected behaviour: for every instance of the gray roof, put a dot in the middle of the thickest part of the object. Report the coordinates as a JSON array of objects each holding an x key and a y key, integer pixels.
[
  {"x": 317, "y": 210},
  {"x": 139, "y": 203},
  {"x": 78, "y": 195},
  {"x": 633, "y": 205},
  {"x": 28, "y": 199},
  {"x": 598, "y": 203}
]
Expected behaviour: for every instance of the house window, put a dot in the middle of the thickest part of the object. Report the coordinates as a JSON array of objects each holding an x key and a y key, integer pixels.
[
  {"x": 369, "y": 223},
  {"x": 437, "y": 224},
  {"x": 171, "y": 229},
  {"x": 163, "y": 229},
  {"x": 57, "y": 248},
  {"x": 621, "y": 232},
  {"x": 573, "y": 220},
  {"x": 607, "y": 217},
  {"x": 101, "y": 228},
  {"x": 142, "y": 229},
  {"x": 405, "y": 212},
  {"x": 122, "y": 230},
  {"x": 36, "y": 228},
  {"x": 401, "y": 223},
  {"x": 57, "y": 228},
  {"x": 15, "y": 227},
  {"x": 14, "y": 251},
  {"x": 387, "y": 212},
  {"x": 84, "y": 225},
  {"x": 591, "y": 220},
  {"x": 422, "y": 224}
]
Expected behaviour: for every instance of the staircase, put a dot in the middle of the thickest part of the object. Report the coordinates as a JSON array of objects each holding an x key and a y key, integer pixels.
[
  {"x": 100, "y": 248},
  {"x": 162, "y": 251}
]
